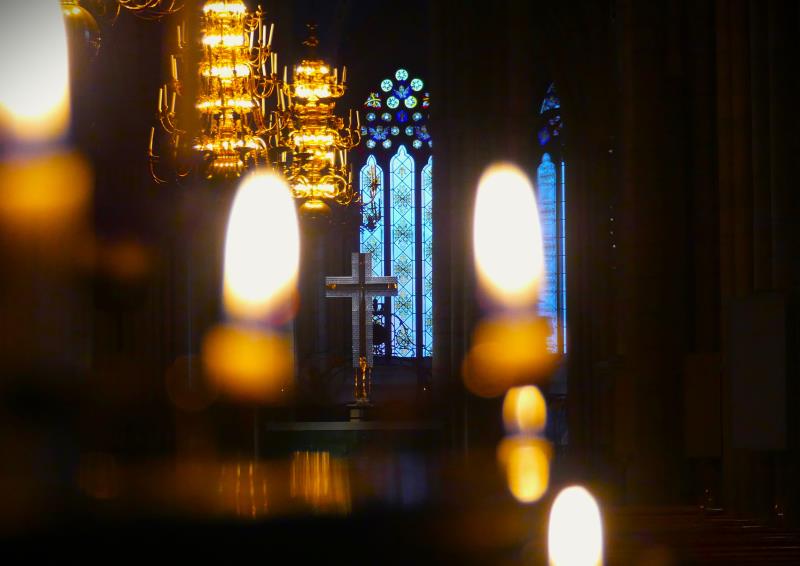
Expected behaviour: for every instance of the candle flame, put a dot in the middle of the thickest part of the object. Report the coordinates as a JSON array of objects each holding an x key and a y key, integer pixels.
[
  {"x": 575, "y": 536},
  {"x": 524, "y": 410},
  {"x": 34, "y": 91},
  {"x": 262, "y": 249},
  {"x": 507, "y": 237}
]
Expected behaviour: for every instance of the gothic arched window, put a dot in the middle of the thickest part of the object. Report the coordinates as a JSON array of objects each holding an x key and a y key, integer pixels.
[
  {"x": 551, "y": 196},
  {"x": 397, "y": 216}
]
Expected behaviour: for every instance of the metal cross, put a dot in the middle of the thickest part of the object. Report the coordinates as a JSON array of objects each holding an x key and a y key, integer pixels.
[{"x": 361, "y": 286}]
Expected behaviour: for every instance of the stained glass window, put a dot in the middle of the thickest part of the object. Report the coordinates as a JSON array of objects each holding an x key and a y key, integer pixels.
[
  {"x": 401, "y": 241},
  {"x": 551, "y": 196},
  {"x": 427, "y": 257}
]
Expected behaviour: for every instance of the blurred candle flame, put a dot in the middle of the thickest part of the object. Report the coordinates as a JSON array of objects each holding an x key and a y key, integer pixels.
[
  {"x": 507, "y": 237},
  {"x": 524, "y": 410},
  {"x": 262, "y": 249},
  {"x": 575, "y": 534},
  {"x": 34, "y": 91}
]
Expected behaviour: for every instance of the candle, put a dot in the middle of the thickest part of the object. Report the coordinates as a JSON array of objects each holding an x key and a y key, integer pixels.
[
  {"x": 285, "y": 72},
  {"x": 505, "y": 211},
  {"x": 358, "y": 120},
  {"x": 249, "y": 357},
  {"x": 34, "y": 93},
  {"x": 575, "y": 532},
  {"x": 152, "y": 135},
  {"x": 271, "y": 29},
  {"x": 344, "y": 74},
  {"x": 510, "y": 347},
  {"x": 174, "y": 67},
  {"x": 160, "y": 98}
]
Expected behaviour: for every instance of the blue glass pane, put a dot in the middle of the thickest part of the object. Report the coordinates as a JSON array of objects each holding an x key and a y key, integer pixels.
[
  {"x": 548, "y": 215},
  {"x": 371, "y": 183},
  {"x": 562, "y": 260},
  {"x": 403, "y": 235},
  {"x": 371, "y": 179},
  {"x": 427, "y": 258}
]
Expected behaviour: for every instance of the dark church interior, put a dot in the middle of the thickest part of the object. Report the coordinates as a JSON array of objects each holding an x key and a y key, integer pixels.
[{"x": 665, "y": 392}]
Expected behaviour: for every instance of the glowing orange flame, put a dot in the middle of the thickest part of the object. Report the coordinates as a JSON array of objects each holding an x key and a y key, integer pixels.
[{"x": 524, "y": 410}]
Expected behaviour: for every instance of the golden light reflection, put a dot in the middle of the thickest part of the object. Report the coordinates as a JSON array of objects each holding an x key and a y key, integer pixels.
[
  {"x": 507, "y": 237},
  {"x": 526, "y": 461},
  {"x": 321, "y": 481},
  {"x": 262, "y": 250},
  {"x": 243, "y": 489},
  {"x": 249, "y": 364},
  {"x": 575, "y": 533},
  {"x": 34, "y": 91},
  {"x": 507, "y": 351},
  {"x": 524, "y": 410}
]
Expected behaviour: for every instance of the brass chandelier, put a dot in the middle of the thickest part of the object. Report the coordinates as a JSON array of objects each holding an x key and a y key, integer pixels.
[
  {"x": 311, "y": 141},
  {"x": 233, "y": 84},
  {"x": 147, "y": 9}
]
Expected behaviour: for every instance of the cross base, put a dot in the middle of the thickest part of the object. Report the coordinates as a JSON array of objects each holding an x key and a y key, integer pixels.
[{"x": 358, "y": 410}]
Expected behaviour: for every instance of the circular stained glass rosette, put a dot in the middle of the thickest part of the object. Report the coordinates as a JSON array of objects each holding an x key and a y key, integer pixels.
[
  {"x": 370, "y": 116},
  {"x": 371, "y": 143},
  {"x": 387, "y": 144},
  {"x": 411, "y": 102},
  {"x": 395, "y": 130},
  {"x": 417, "y": 116},
  {"x": 392, "y": 102},
  {"x": 409, "y": 130},
  {"x": 386, "y": 117},
  {"x": 386, "y": 85},
  {"x": 401, "y": 74},
  {"x": 417, "y": 85},
  {"x": 417, "y": 144}
]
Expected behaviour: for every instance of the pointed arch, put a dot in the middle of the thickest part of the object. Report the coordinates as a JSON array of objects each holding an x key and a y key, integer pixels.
[
  {"x": 403, "y": 234},
  {"x": 372, "y": 240}
]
